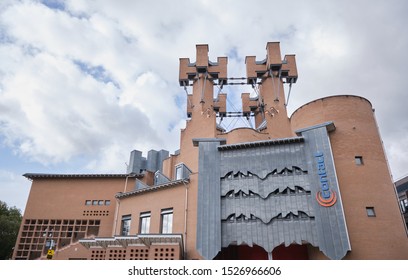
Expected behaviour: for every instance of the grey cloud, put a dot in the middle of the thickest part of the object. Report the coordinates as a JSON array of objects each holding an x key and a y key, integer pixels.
[{"x": 344, "y": 47}]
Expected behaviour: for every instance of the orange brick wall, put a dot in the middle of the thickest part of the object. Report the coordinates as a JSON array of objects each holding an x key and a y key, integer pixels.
[{"x": 367, "y": 185}]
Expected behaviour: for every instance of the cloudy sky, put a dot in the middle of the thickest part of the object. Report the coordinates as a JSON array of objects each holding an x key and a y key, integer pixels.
[{"x": 84, "y": 82}]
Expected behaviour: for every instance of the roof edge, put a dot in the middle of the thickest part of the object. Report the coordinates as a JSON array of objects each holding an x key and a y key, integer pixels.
[
  {"x": 329, "y": 97},
  {"x": 152, "y": 188},
  {"x": 279, "y": 141},
  {"x": 50, "y": 176}
]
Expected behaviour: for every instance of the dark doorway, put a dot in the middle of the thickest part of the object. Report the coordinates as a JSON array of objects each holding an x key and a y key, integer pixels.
[
  {"x": 245, "y": 252},
  {"x": 242, "y": 252},
  {"x": 292, "y": 252}
]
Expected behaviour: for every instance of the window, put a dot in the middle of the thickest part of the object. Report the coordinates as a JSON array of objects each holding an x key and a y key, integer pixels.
[
  {"x": 370, "y": 211},
  {"x": 144, "y": 222},
  {"x": 97, "y": 202},
  {"x": 358, "y": 160},
  {"x": 166, "y": 221},
  {"x": 125, "y": 228},
  {"x": 404, "y": 205},
  {"x": 179, "y": 172},
  {"x": 182, "y": 171}
]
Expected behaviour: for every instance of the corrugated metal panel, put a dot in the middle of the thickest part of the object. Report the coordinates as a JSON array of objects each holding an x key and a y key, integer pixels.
[
  {"x": 135, "y": 162},
  {"x": 263, "y": 160},
  {"x": 278, "y": 172},
  {"x": 267, "y": 186},
  {"x": 260, "y": 143},
  {"x": 269, "y": 235},
  {"x": 208, "y": 241},
  {"x": 330, "y": 221},
  {"x": 267, "y": 209},
  {"x": 273, "y": 190},
  {"x": 268, "y": 196}
]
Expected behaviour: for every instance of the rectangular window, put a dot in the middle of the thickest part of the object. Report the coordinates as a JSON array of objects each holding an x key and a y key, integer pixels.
[
  {"x": 144, "y": 227},
  {"x": 94, "y": 202},
  {"x": 179, "y": 172},
  {"x": 404, "y": 205},
  {"x": 166, "y": 221},
  {"x": 370, "y": 211},
  {"x": 125, "y": 228},
  {"x": 100, "y": 202},
  {"x": 88, "y": 202},
  {"x": 359, "y": 160},
  {"x": 107, "y": 202}
]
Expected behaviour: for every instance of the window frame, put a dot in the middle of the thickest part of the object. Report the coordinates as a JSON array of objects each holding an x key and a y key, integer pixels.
[
  {"x": 179, "y": 167},
  {"x": 144, "y": 222},
  {"x": 404, "y": 205},
  {"x": 370, "y": 210},
  {"x": 126, "y": 222},
  {"x": 166, "y": 221},
  {"x": 358, "y": 160}
]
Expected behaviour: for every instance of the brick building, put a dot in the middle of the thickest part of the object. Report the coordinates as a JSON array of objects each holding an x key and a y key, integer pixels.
[{"x": 314, "y": 185}]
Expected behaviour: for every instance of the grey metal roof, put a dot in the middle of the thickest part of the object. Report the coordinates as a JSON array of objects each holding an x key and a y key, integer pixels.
[
  {"x": 124, "y": 241},
  {"x": 46, "y": 175},
  {"x": 245, "y": 145},
  {"x": 196, "y": 141},
  {"x": 329, "y": 126},
  {"x": 152, "y": 188}
]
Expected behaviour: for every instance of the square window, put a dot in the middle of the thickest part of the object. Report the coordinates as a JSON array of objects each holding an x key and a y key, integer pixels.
[
  {"x": 107, "y": 202},
  {"x": 88, "y": 202},
  {"x": 100, "y": 202},
  {"x": 370, "y": 211},
  {"x": 182, "y": 171},
  {"x": 359, "y": 160},
  {"x": 94, "y": 202}
]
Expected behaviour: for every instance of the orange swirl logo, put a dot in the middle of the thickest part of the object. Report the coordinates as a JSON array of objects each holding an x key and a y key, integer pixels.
[
  {"x": 326, "y": 202},
  {"x": 325, "y": 196}
]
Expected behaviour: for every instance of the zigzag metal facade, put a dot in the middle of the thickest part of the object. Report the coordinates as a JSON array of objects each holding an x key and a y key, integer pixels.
[
  {"x": 268, "y": 192},
  {"x": 312, "y": 186}
]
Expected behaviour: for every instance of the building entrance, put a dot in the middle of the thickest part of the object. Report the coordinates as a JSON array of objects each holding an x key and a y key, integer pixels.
[
  {"x": 292, "y": 252},
  {"x": 245, "y": 252},
  {"x": 242, "y": 252}
]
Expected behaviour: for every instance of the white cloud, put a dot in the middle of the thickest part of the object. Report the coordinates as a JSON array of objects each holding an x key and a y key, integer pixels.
[
  {"x": 99, "y": 78},
  {"x": 57, "y": 112}
]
